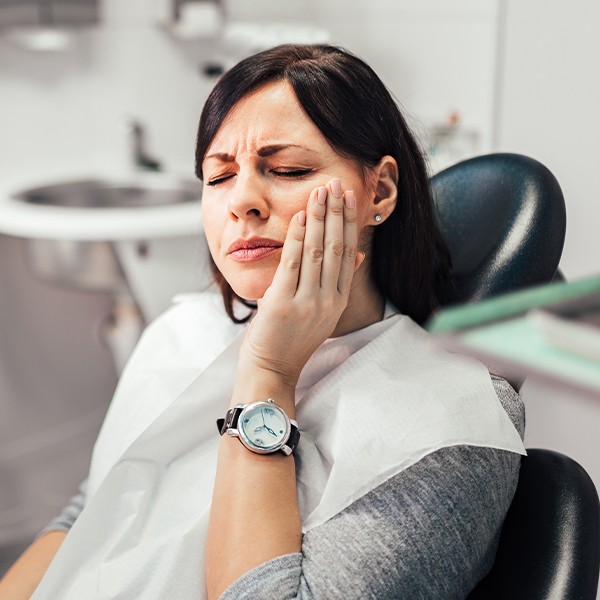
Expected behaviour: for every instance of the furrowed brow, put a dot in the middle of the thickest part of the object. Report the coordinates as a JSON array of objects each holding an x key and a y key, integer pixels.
[
  {"x": 274, "y": 148},
  {"x": 222, "y": 156},
  {"x": 263, "y": 152}
]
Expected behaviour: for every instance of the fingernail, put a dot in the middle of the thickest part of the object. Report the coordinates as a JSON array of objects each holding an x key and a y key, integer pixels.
[
  {"x": 336, "y": 187},
  {"x": 349, "y": 199},
  {"x": 322, "y": 196},
  {"x": 302, "y": 218}
]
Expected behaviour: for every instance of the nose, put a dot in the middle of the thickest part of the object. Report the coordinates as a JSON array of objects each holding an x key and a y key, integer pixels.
[{"x": 248, "y": 199}]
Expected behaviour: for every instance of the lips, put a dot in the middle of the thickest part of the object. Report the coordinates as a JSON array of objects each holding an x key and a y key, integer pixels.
[{"x": 252, "y": 249}]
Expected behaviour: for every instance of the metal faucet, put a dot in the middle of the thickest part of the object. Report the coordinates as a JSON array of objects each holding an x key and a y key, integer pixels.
[{"x": 141, "y": 160}]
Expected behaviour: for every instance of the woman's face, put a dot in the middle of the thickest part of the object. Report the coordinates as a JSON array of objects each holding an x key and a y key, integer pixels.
[{"x": 258, "y": 172}]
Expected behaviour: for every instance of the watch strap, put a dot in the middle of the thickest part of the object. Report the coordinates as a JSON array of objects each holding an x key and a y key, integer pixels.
[
  {"x": 230, "y": 420},
  {"x": 294, "y": 438}
]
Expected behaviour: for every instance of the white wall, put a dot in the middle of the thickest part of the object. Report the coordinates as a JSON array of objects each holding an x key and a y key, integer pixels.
[
  {"x": 67, "y": 110},
  {"x": 549, "y": 109},
  {"x": 436, "y": 56}
]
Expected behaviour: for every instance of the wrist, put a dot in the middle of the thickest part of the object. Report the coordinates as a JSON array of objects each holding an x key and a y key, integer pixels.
[{"x": 254, "y": 383}]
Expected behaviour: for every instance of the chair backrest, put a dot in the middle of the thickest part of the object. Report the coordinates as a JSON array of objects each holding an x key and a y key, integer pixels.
[
  {"x": 503, "y": 218},
  {"x": 550, "y": 542}
]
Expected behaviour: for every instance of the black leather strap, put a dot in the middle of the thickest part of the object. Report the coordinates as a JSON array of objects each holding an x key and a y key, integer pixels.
[
  {"x": 230, "y": 420},
  {"x": 294, "y": 438}
]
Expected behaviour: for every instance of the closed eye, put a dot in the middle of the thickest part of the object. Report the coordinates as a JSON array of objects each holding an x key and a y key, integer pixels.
[
  {"x": 294, "y": 173},
  {"x": 218, "y": 180},
  {"x": 291, "y": 174}
]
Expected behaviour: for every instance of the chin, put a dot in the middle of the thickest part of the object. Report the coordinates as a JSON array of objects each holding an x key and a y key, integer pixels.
[
  {"x": 250, "y": 295},
  {"x": 249, "y": 282},
  {"x": 250, "y": 288}
]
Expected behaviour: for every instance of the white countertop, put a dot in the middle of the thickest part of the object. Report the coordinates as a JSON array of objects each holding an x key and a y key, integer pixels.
[{"x": 21, "y": 219}]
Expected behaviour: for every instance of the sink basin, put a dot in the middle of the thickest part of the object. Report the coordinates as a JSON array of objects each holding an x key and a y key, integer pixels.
[
  {"x": 101, "y": 205},
  {"x": 74, "y": 226},
  {"x": 114, "y": 193}
]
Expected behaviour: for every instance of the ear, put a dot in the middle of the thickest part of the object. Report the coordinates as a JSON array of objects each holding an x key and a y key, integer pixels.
[{"x": 385, "y": 178}]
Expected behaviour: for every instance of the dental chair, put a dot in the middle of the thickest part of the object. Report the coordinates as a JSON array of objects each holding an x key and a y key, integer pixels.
[
  {"x": 503, "y": 218},
  {"x": 550, "y": 542}
]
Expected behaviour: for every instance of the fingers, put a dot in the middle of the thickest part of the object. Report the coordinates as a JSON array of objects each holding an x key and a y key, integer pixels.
[
  {"x": 349, "y": 264},
  {"x": 320, "y": 249},
  {"x": 329, "y": 255},
  {"x": 285, "y": 280},
  {"x": 333, "y": 241},
  {"x": 312, "y": 255}
]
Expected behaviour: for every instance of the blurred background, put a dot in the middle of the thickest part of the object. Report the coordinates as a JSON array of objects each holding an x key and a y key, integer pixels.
[{"x": 106, "y": 94}]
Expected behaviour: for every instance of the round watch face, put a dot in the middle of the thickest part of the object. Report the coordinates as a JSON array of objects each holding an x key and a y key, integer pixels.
[{"x": 263, "y": 427}]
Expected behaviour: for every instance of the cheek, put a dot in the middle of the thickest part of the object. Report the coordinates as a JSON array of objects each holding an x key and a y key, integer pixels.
[
  {"x": 363, "y": 217},
  {"x": 213, "y": 227},
  {"x": 291, "y": 201}
]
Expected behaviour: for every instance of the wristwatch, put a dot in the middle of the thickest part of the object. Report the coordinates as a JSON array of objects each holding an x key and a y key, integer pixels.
[{"x": 263, "y": 427}]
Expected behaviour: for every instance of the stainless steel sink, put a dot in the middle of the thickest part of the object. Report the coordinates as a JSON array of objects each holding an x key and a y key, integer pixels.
[
  {"x": 94, "y": 265},
  {"x": 142, "y": 191}
]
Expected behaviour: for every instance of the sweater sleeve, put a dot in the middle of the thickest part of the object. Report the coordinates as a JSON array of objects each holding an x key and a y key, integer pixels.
[
  {"x": 64, "y": 521},
  {"x": 429, "y": 532}
]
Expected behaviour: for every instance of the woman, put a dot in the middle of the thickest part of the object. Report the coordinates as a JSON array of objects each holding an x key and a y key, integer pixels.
[{"x": 371, "y": 464}]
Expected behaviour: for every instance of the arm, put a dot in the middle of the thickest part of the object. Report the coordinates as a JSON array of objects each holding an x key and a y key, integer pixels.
[
  {"x": 254, "y": 513},
  {"x": 429, "y": 532},
  {"x": 23, "y": 577}
]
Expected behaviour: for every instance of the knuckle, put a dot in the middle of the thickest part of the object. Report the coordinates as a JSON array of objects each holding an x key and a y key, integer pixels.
[
  {"x": 337, "y": 210},
  {"x": 315, "y": 254},
  {"x": 336, "y": 247},
  {"x": 350, "y": 251},
  {"x": 292, "y": 264}
]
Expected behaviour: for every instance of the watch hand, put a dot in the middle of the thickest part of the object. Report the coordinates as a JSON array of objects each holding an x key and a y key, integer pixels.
[
  {"x": 265, "y": 425},
  {"x": 270, "y": 431}
]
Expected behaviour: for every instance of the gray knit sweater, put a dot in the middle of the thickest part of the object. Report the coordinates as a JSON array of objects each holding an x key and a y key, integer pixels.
[{"x": 429, "y": 532}]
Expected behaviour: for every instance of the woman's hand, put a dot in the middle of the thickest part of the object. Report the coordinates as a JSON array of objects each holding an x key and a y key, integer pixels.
[
  {"x": 299, "y": 310},
  {"x": 311, "y": 286}
]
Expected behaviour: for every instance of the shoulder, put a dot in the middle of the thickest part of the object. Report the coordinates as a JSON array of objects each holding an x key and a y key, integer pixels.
[
  {"x": 430, "y": 531},
  {"x": 511, "y": 402}
]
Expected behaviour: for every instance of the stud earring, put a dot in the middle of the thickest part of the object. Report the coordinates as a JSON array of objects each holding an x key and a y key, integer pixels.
[{"x": 377, "y": 218}]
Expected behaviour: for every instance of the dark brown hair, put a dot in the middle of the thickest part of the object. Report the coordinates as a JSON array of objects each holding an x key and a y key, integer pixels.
[{"x": 356, "y": 113}]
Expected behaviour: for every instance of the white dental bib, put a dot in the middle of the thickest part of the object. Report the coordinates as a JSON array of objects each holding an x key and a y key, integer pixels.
[{"x": 369, "y": 405}]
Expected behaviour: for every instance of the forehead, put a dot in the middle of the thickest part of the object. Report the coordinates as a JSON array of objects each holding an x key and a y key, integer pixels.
[{"x": 271, "y": 114}]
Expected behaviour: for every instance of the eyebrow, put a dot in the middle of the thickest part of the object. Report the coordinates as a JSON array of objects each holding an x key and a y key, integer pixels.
[{"x": 263, "y": 151}]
